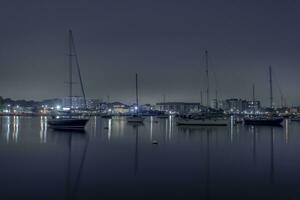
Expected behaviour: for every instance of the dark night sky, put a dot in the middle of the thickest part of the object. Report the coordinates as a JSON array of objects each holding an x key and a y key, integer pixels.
[{"x": 164, "y": 41}]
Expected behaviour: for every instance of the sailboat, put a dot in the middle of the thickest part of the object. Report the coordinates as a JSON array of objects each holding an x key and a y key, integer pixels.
[
  {"x": 207, "y": 118},
  {"x": 164, "y": 114},
  {"x": 270, "y": 120},
  {"x": 136, "y": 118},
  {"x": 68, "y": 121}
]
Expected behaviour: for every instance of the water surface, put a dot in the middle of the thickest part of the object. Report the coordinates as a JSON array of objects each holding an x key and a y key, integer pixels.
[{"x": 116, "y": 160}]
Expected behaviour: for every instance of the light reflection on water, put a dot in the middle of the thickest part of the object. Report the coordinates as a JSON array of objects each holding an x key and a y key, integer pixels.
[
  {"x": 114, "y": 160},
  {"x": 10, "y": 126},
  {"x": 43, "y": 131}
]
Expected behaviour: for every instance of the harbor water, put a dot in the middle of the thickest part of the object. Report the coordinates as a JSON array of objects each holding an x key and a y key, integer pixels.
[{"x": 156, "y": 160}]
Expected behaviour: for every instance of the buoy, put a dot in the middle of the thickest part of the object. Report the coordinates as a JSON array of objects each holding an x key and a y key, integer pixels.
[{"x": 154, "y": 142}]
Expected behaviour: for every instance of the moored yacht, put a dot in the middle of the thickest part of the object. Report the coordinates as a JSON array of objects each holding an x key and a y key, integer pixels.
[
  {"x": 210, "y": 117},
  {"x": 67, "y": 123},
  {"x": 271, "y": 119},
  {"x": 202, "y": 120},
  {"x": 136, "y": 118},
  {"x": 70, "y": 121},
  {"x": 263, "y": 120}
]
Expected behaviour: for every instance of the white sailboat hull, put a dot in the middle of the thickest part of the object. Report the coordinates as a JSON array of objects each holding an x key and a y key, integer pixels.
[{"x": 203, "y": 122}]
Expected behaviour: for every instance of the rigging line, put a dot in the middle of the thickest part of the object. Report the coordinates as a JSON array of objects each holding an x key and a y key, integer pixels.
[
  {"x": 212, "y": 69},
  {"x": 282, "y": 95},
  {"x": 277, "y": 83},
  {"x": 201, "y": 78},
  {"x": 204, "y": 78},
  {"x": 78, "y": 70}
]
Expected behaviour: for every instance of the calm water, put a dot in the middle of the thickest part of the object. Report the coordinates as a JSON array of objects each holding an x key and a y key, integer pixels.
[{"x": 114, "y": 160}]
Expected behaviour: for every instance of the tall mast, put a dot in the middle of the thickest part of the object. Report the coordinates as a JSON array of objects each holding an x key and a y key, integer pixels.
[
  {"x": 271, "y": 88},
  {"x": 70, "y": 68},
  {"x": 136, "y": 92},
  {"x": 253, "y": 93},
  {"x": 207, "y": 77},
  {"x": 217, "y": 99},
  {"x": 73, "y": 50},
  {"x": 201, "y": 98}
]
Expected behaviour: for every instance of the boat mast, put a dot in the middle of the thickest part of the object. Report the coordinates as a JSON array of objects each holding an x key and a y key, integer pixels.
[
  {"x": 136, "y": 92},
  {"x": 271, "y": 88},
  {"x": 73, "y": 49},
  {"x": 217, "y": 106},
  {"x": 253, "y": 98},
  {"x": 201, "y": 98},
  {"x": 70, "y": 68},
  {"x": 207, "y": 77},
  {"x": 253, "y": 93}
]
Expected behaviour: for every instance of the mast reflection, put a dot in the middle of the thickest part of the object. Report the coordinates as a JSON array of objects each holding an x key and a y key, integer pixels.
[
  {"x": 272, "y": 156},
  {"x": 207, "y": 189},
  {"x": 253, "y": 131},
  {"x": 136, "y": 150},
  {"x": 72, "y": 139}
]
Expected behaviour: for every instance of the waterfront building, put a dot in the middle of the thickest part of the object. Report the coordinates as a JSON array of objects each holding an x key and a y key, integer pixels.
[
  {"x": 118, "y": 108},
  {"x": 179, "y": 107},
  {"x": 93, "y": 104},
  {"x": 235, "y": 105},
  {"x": 77, "y": 102},
  {"x": 254, "y": 106},
  {"x": 216, "y": 104}
]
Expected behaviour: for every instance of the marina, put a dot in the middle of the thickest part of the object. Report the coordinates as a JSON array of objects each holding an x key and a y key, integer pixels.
[{"x": 149, "y": 100}]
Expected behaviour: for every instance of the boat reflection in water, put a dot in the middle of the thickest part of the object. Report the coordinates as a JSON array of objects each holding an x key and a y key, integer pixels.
[
  {"x": 115, "y": 160},
  {"x": 80, "y": 143}
]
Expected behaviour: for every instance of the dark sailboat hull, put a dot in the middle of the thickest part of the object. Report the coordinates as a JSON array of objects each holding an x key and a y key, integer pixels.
[
  {"x": 67, "y": 124},
  {"x": 267, "y": 122}
]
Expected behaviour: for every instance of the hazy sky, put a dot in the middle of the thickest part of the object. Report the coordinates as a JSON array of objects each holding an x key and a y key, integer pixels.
[{"x": 164, "y": 41}]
